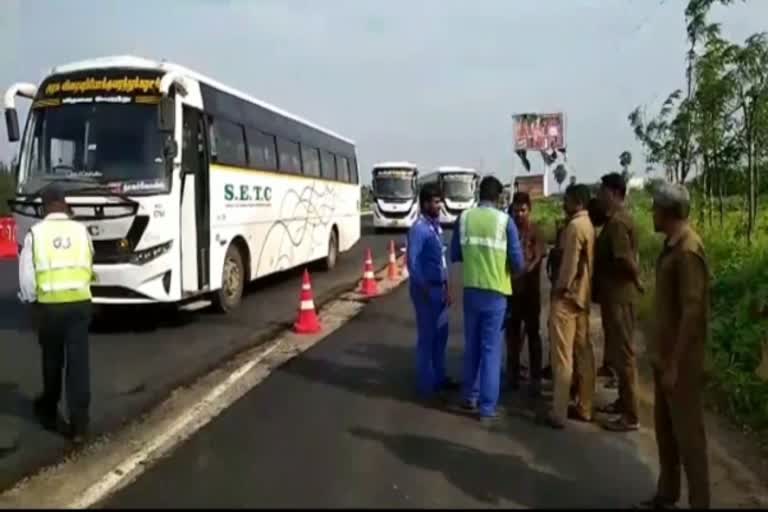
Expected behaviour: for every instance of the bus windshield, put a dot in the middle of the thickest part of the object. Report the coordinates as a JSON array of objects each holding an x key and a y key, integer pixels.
[
  {"x": 459, "y": 187},
  {"x": 102, "y": 143},
  {"x": 394, "y": 184}
]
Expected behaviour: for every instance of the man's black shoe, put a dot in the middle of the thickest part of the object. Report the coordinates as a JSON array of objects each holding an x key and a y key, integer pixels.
[
  {"x": 489, "y": 419},
  {"x": 467, "y": 407},
  {"x": 450, "y": 385},
  {"x": 77, "y": 434},
  {"x": 47, "y": 418}
]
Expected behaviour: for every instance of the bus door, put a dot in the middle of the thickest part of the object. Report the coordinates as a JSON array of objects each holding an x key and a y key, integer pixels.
[{"x": 195, "y": 208}]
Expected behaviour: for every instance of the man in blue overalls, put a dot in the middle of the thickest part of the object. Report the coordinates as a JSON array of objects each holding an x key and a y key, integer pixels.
[
  {"x": 428, "y": 284},
  {"x": 485, "y": 239}
]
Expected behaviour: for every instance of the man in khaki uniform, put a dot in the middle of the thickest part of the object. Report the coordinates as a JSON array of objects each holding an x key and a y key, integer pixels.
[
  {"x": 677, "y": 351},
  {"x": 598, "y": 217},
  {"x": 569, "y": 313},
  {"x": 617, "y": 278}
]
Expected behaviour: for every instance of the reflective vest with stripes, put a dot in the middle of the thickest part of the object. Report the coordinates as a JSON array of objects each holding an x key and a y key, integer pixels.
[
  {"x": 63, "y": 261},
  {"x": 483, "y": 233}
]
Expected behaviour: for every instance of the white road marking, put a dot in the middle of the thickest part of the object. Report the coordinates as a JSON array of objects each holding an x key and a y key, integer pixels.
[{"x": 111, "y": 480}]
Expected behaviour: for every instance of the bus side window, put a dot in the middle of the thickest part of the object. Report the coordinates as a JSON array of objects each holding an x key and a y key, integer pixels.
[
  {"x": 354, "y": 172},
  {"x": 342, "y": 164},
  {"x": 289, "y": 156},
  {"x": 327, "y": 165},
  {"x": 310, "y": 158},
  {"x": 230, "y": 143},
  {"x": 261, "y": 150}
]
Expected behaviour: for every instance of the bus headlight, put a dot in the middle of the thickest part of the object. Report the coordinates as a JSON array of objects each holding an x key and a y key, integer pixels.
[{"x": 147, "y": 255}]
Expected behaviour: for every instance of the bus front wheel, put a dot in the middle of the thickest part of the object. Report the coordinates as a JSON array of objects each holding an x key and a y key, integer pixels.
[
  {"x": 228, "y": 297},
  {"x": 329, "y": 262}
]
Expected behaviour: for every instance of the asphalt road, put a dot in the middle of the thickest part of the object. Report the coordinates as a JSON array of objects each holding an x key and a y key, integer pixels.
[
  {"x": 145, "y": 353},
  {"x": 339, "y": 427}
]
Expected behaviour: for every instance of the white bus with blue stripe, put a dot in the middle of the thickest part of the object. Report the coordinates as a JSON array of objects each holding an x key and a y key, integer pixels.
[
  {"x": 395, "y": 194},
  {"x": 189, "y": 188}
]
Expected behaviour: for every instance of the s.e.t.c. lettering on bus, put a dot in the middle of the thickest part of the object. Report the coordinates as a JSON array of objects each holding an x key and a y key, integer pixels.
[{"x": 249, "y": 193}]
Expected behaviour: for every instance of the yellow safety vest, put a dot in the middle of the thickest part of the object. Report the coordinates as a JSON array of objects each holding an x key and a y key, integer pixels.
[
  {"x": 63, "y": 261},
  {"x": 483, "y": 240}
]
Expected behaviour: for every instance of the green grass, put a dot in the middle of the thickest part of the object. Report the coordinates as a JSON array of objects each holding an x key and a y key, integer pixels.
[
  {"x": 546, "y": 213},
  {"x": 739, "y": 292}
]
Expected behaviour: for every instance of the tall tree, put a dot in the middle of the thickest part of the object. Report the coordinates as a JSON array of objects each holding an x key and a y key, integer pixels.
[
  {"x": 752, "y": 93},
  {"x": 713, "y": 125},
  {"x": 662, "y": 136},
  {"x": 668, "y": 138}
]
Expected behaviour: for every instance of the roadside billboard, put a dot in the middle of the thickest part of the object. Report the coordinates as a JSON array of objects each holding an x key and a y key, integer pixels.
[{"x": 539, "y": 132}]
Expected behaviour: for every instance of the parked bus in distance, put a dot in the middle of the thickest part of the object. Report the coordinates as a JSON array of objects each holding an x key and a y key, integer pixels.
[
  {"x": 189, "y": 188},
  {"x": 395, "y": 194},
  {"x": 459, "y": 188}
]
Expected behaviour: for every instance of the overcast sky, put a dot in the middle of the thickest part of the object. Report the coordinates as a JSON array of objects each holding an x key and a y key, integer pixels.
[{"x": 432, "y": 81}]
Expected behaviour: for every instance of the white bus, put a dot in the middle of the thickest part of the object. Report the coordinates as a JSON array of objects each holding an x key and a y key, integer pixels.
[
  {"x": 395, "y": 194},
  {"x": 459, "y": 188},
  {"x": 188, "y": 187}
]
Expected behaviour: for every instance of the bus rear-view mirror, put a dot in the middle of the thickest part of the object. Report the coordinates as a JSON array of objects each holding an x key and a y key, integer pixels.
[
  {"x": 12, "y": 124},
  {"x": 166, "y": 115}
]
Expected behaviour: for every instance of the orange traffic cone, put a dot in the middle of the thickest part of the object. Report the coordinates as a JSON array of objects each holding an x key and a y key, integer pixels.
[
  {"x": 307, "y": 323},
  {"x": 392, "y": 271},
  {"x": 368, "y": 286},
  {"x": 404, "y": 268}
]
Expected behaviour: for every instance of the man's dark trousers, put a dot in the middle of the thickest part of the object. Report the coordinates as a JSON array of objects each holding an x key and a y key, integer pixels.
[
  {"x": 63, "y": 337},
  {"x": 524, "y": 315}
]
